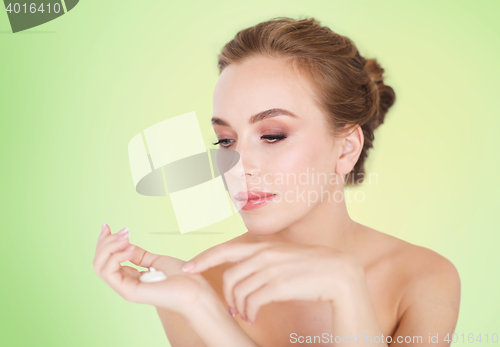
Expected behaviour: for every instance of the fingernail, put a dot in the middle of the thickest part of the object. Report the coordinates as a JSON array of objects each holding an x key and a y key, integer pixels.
[
  {"x": 188, "y": 266},
  {"x": 129, "y": 248},
  {"x": 124, "y": 235},
  {"x": 123, "y": 231},
  {"x": 232, "y": 311},
  {"x": 249, "y": 321},
  {"x": 103, "y": 226}
]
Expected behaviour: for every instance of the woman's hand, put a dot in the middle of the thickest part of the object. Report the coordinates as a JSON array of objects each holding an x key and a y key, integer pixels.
[
  {"x": 180, "y": 292},
  {"x": 277, "y": 271}
]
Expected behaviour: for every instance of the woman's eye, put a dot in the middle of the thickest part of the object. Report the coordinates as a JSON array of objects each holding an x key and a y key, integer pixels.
[
  {"x": 267, "y": 138},
  {"x": 273, "y": 138},
  {"x": 223, "y": 142}
]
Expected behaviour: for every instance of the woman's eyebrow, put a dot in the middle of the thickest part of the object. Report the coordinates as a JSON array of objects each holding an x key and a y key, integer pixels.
[
  {"x": 219, "y": 121},
  {"x": 273, "y": 112}
]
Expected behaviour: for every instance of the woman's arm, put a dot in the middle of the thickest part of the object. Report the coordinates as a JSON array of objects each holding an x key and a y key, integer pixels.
[
  {"x": 177, "y": 329},
  {"x": 271, "y": 271},
  {"x": 209, "y": 325},
  {"x": 353, "y": 313},
  {"x": 215, "y": 326},
  {"x": 430, "y": 306}
]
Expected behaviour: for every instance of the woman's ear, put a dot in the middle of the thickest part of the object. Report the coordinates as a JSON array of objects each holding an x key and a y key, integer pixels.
[{"x": 351, "y": 148}]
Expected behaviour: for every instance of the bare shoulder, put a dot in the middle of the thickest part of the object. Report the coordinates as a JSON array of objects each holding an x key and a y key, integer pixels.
[
  {"x": 429, "y": 287},
  {"x": 417, "y": 261},
  {"x": 426, "y": 278},
  {"x": 432, "y": 280},
  {"x": 422, "y": 265}
]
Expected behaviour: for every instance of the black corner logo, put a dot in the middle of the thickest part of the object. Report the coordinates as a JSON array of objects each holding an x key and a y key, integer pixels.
[{"x": 26, "y": 15}]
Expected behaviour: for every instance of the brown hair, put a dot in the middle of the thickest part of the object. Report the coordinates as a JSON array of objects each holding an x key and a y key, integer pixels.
[{"x": 349, "y": 88}]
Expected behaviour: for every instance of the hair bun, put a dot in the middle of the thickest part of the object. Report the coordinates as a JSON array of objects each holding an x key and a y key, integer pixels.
[
  {"x": 374, "y": 70},
  {"x": 386, "y": 97}
]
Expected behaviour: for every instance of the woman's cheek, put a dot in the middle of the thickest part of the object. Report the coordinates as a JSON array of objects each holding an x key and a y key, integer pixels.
[
  {"x": 290, "y": 173},
  {"x": 309, "y": 167},
  {"x": 298, "y": 159}
]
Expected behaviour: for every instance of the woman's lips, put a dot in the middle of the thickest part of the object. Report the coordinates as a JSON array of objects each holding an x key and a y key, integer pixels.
[{"x": 254, "y": 199}]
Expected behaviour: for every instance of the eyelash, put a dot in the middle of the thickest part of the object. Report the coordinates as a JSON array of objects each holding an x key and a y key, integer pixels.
[{"x": 274, "y": 138}]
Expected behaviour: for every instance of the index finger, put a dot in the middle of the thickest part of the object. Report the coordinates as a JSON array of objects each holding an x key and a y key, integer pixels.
[
  {"x": 223, "y": 253},
  {"x": 105, "y": 231},
  {"x": 141, "y": 257}
]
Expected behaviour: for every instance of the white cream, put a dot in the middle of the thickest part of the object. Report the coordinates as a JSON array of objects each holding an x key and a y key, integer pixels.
[{"x": 153, "y": 276}]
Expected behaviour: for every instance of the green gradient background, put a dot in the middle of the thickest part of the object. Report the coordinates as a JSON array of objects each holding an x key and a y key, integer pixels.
[{"x": 74, "y": 91}]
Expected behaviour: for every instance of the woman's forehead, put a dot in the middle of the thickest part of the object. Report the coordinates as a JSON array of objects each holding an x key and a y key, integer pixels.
[{"x": 257, "y": 85}]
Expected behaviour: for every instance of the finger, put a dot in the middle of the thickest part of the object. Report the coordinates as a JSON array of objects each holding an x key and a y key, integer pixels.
[
  {"x": 276, "y": 262},
  {"x": 127, "y": 287},
  {"x": 143, "y": 258},
  {"x": 274, "y": 291},
  {"x": 110, "y": 244},
  {"x": 223, "y": 253},
  {"x": 116, "y": 243},
  {"x": 132, "y": 272},
  {"x": 112, "y": 264},
  {"x": 250, "y": 284},
  {"x": 110, "y": 238},
  {"x": 238, "y": 273},
  {"x": 169, "y": 265},
  {"x": 116, "y": 278},
  {"x": 105, "y": 231}
]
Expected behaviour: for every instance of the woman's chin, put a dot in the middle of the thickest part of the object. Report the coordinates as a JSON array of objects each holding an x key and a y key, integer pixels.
[
  {"x": 270, "y": 221},
  {"x": 260, "y": 227}
]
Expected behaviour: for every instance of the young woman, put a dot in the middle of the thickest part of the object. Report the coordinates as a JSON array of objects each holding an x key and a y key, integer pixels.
[{"x": 293, "y": 99}]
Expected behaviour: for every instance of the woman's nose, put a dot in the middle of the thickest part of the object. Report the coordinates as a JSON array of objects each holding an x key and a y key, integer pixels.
[{"x": 248, "y": 160}]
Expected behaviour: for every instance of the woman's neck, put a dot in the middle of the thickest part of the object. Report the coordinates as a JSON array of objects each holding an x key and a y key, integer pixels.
[{"x": 328, "y": 224}]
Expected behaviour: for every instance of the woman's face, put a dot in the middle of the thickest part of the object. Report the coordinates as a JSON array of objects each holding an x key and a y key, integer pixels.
[{"x": 288, "y": 153}]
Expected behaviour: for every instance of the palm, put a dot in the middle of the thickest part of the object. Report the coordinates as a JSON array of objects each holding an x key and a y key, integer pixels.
[{"x": 178, "y": 291}]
